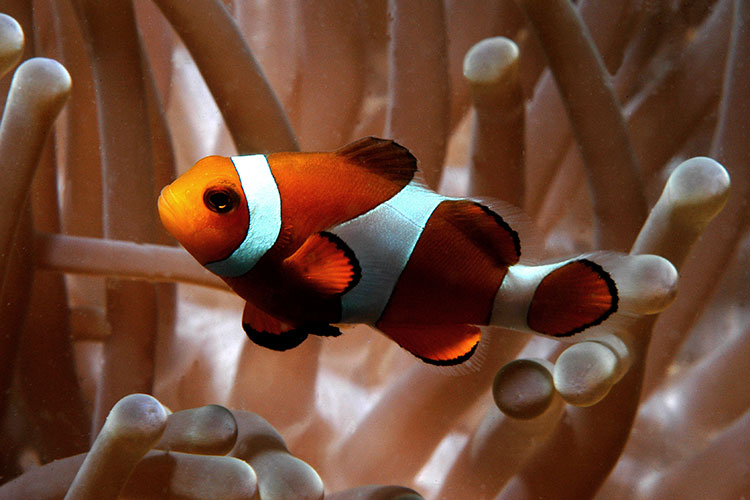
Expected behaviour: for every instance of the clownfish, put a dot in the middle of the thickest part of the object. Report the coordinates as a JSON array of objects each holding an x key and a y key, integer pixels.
[{"x": 312, "y": 240}]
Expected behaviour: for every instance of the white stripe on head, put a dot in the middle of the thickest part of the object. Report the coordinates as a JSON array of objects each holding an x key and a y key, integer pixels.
[
  {"x": 383, "y": 240},
  {"x": 264, "y": 224}
]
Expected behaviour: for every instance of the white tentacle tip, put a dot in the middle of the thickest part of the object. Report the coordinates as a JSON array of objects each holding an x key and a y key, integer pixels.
[
  {"x": 486, "y": 62},
  {"x": 697, "y": 190},
  {"x": 647, "y": 284},
  {"x": 11, "y": 43},
  {"x": 137, "y": 417},
  {"x": 585, "y": 372},
  {"x": 44, "y": 77},
  {"x": 524, "y": 388}
]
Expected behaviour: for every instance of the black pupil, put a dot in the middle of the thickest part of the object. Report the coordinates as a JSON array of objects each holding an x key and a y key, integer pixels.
[{"x": 220, "y": 201}]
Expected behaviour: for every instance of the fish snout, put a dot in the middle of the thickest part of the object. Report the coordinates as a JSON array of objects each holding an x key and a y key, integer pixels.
[{"x": 167, "y": 212}]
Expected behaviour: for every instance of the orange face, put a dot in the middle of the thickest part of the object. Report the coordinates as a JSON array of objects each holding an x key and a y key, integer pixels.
[{"x": 205, "y": 209}]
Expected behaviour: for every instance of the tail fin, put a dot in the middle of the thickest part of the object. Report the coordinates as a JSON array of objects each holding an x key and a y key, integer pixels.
[
  {"x": 576, "y": 296},
  {"x": 566, "y": 298}
]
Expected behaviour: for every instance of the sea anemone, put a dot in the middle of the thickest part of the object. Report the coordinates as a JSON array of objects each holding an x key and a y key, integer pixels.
[{"x": 614, "y": 125}]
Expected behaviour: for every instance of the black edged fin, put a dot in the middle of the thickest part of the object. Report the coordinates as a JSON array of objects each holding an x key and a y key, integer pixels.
[
  {"x": 260, "y": 321},
  {"x": 441, "y": 345},
  {"x": 275, "y": 341},
  {"x": 273, "y": 333},
  {"x": 324, "y": 263},
  {"x": 451, "y": 362},
  {"x": 383, "y": 157},
  {"x": 486, "y": 229},
  {"x": 289, "y": 339},
  {"x": 530, "y": 236},
  {"x": 572, "y": 298}
]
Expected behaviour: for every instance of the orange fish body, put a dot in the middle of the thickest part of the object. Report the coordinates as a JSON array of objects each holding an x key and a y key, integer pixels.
[{"x": 310, "y": 240}]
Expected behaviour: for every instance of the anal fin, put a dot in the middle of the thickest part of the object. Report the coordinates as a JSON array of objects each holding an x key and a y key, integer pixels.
[
  {"x": 442, "y": 345},
  {"x": 572, "y": 298}
]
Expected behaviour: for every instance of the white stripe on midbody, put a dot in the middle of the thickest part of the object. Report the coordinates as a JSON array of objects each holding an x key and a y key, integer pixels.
[
  {"x": 264, "y": 207},
  {"x": 383, "y": 240},
  {"x": 515, "y": 294}
]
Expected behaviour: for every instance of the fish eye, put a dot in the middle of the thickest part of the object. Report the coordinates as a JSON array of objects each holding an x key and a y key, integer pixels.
[{"x": 220, "y": 200}]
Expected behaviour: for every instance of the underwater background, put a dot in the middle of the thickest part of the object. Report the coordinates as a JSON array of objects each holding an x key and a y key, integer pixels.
[{"x": 580, "y": 115}]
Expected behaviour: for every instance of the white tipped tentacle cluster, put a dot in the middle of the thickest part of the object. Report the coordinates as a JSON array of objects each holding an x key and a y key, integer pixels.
[{"x": 585, "y": 372}]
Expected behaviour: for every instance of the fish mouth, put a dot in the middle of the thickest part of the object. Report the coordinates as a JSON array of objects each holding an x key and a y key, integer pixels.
[
  {"x": 167, "y": 213},
  {"x": 176, "y": 218}
]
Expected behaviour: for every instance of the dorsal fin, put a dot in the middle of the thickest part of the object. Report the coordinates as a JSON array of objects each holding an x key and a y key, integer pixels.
[
  {"x": 486, "y": 229},
  {"x": 382, "y": 157}
]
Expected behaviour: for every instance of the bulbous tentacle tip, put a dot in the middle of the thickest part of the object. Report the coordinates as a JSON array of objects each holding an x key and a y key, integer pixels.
[
  {"x": 208, "y": 430},
  {"x": 697, "y": 190},
  {"x": 694, "y": 194},
  {"x": 138, "y": 417},
  {"x": 11, "y": 43},
  {"x": 487, "y": 61},
  {"x": 281, "y": 475},
  {"x": 376, "y": 492},
  {"x": 585, "y": 372},
  {"x": 647, "y": 284},
  {"x": 524, "y": 388},
  {"x": 41, "y": 86}
]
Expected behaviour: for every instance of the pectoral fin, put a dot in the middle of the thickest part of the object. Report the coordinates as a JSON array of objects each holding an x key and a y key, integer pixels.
[{"x": 325, "y": 264}]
